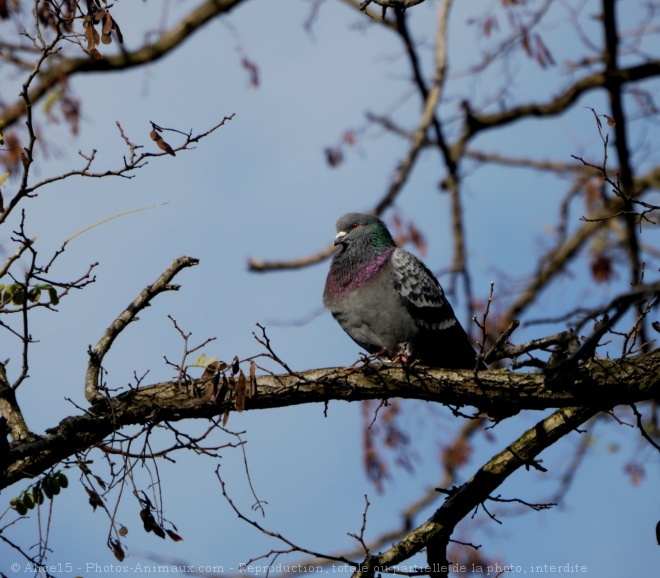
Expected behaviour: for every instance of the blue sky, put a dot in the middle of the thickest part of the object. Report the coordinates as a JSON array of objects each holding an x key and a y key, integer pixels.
[{"x": 260, "y": 186}]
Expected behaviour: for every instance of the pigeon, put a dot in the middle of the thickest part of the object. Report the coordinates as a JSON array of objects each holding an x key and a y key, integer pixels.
[{"x": 389, "y": 302}]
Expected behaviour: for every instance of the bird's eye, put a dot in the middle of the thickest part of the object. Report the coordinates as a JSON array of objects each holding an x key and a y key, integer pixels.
[{"x": 356, "y": 225}]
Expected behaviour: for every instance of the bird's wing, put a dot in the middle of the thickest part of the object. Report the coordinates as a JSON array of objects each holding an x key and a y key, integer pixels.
[{"x": 421, "y": 293}]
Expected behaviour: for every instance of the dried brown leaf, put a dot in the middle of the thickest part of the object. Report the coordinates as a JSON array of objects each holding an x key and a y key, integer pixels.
[
  {"x": 150, "y": 524},
  {"x": 490, "y": 24},
  {"x": 12, "y": 152},
  {"x": 146, "y": 516},
  {"x": 225, "y": 417},
  {"x": 417, "y": 239},
  {"x": 123, "y": 531},
  {"x": 162, "y": 145},
  {"x": 222, "y": 392},
  {"x": 543, "y": 55},
  {"x": 593, "y": 195},
  {"x": 253, "y": 71},
  {"x": 118, "y": 551},
  {"x": 526, "y": 45},
  {"x": 252, "y": 390},
  {"x": 174, "y": 536},
  {"x": 67, "y": 23},
  {"x": 106, "y": 28},
  {"x": 601, "y": 267},
  {"x": 239, "y": 402},
  {"x": 94, "y": 499},
  {"x": 120, "y": 36},
  {"x": 333, "y": 156},
  {"x": 107, "y": 24},
  {"x": 636, "y": 473},
  {"x": 457, "y": 454},
  {"x": 98, "y": 16},
  {"x": 89, "y": 36}
]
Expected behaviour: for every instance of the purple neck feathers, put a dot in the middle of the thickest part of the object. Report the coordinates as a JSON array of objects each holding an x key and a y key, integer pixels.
[{"x": 347, "y": 274}]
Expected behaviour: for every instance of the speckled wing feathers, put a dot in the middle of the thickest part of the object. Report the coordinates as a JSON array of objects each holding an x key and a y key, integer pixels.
[{"x": 421, "y": 293}]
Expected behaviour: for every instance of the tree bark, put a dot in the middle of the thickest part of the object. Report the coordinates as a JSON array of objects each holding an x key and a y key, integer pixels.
[{"x": 601, "y": 384}]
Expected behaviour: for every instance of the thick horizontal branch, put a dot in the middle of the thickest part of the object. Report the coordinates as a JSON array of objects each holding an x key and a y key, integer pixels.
[{"x": 498, "y": 393}]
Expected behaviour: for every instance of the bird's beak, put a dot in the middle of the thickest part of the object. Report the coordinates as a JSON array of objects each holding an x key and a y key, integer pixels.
[{"x": 339, "y": 237}]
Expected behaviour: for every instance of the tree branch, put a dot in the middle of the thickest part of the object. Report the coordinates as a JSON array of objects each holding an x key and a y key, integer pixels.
[
  {"x": 563, "y": 101},
  {"x": 435, "y": 533},
  {"x": 165, "y": 44},
  {"x": 9, "y": 409},
  {"x": 93, "y": 377},
  {"x": 500, "y": 392},
  {"x": 431, "y": 102}
]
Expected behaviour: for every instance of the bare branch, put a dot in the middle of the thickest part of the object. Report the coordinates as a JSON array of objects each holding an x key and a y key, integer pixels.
[
  {"x": 292, "y": 547},
  {"x": 93, "y": 377},
  {"x": 437, "y": 530},
  {"x": 563, "y": 101},
  {"x": 262, "y": 266},
  {"x": 149, "y": 53},
  {"x": 641, "y": 428}
]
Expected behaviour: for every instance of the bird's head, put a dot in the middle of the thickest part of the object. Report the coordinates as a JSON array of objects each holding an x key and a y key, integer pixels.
[{"x": 360, "y": 229}]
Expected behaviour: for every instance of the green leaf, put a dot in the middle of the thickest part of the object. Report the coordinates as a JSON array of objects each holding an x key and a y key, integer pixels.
[
  {"x": 10, "y": 292},
  {"x": 38, "y": 495},
  {"x": 48, "y": 487},
  {"x": 19, "y": 506},
  {"x": 28, "y": 501},
  {"x": 34, "y": 294},
  {"x": 62, "y": 480},
  {"x": 18, "y": 295},
  {"x": 52, "y": 294},
  {"x": 202, "y": 361}
]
